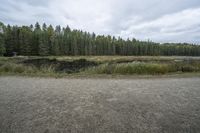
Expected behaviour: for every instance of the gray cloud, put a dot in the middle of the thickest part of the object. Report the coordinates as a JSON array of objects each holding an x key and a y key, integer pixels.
[
  {"x": 158, "y": 20},
  {"x": 177, "y": 27},
  {"x": 35, "y": 2}
]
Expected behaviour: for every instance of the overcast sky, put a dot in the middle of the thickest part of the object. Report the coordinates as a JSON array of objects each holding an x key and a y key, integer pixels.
[{"x": 157, "y": 20}]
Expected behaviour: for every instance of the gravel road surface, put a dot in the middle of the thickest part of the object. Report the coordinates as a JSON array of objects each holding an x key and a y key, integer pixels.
[{"x": 47, "y": 105}]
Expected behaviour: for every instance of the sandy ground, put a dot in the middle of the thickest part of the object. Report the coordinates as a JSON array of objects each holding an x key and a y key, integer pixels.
[{"x": 47, "y": 105}]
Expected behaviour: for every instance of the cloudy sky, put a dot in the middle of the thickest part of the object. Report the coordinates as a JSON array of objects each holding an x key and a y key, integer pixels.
[{"x": 157, "y": 20}]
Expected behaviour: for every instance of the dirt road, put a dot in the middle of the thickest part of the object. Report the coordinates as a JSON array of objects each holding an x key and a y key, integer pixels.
[{"x": 46, "y": 105}]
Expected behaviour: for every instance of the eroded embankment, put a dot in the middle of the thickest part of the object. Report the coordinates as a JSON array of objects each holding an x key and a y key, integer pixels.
[{"x": 61, "y": 66}]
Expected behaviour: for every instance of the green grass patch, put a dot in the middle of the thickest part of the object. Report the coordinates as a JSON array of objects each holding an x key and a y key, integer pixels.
[
  {"x": 142, "y": 68},
  {"x": 16, "y": 68}
]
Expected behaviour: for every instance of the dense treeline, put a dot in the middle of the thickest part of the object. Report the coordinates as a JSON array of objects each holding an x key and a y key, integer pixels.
[{"x": 45, "y": 40}]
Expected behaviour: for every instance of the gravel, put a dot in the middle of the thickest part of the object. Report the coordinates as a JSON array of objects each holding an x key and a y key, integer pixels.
[{"x": 48, "y": 105}]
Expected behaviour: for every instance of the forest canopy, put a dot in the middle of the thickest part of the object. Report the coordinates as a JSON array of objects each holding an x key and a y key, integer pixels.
[{"x": 43, "y": 40}]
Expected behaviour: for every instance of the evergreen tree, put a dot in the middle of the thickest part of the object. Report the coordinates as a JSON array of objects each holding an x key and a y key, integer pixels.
[
  {"x": 44, "y": 42},
  {"x": 51, "y": 41},
  {"x": 2, "y": 42},
  {"x": 9, "y": 41},
  {"x": 25, "y": 40},
  {"x": 29, "y": 40},
  {"x": 36, "y": 39}
]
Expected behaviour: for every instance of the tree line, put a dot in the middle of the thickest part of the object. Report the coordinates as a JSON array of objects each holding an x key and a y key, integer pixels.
[{"x": 46, "y": 40}]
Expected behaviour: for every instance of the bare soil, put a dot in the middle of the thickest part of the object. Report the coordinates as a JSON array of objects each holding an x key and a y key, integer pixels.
[
  {"x": 48, "y": 105},
  {"x": 61, "y": 66}
]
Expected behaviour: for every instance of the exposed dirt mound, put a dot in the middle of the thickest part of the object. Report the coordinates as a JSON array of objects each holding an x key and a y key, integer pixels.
[{"x": 61, "y": 66}]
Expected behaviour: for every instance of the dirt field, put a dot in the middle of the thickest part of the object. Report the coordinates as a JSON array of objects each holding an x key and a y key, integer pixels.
[{"x": 39, "y": 105}]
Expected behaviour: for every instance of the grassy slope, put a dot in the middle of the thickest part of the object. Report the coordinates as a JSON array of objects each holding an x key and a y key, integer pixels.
[{"x": 154, "y": 65}]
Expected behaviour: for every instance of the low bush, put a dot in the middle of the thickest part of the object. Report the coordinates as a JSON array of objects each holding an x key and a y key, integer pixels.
[
  {"x": 16, "y": 68},
  {"x": 8, "y": 67},
  {"x": 47, "y": 69},
  {"x": 142, "y": 68}
]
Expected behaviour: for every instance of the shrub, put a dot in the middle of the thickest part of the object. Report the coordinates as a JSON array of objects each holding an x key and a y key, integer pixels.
[
  {"x": 102, "y": 69},
  {"x": 141, "y": 68},
  {"x": 47, "y": 69},
  {"x": 19, "y": 69},
  {"x": 189, "y": 68},
  {"x": 16, "y": 68},
  {"x": 8, "y": 67},
  {"x": 131, "y": 68}
]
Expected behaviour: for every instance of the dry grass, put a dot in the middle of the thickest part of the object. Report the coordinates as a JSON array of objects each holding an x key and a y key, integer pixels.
[{"x": 122, "y": 65}]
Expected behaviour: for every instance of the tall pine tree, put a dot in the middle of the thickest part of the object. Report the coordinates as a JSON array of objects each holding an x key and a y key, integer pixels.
[{"x": 2, "y": 42}]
